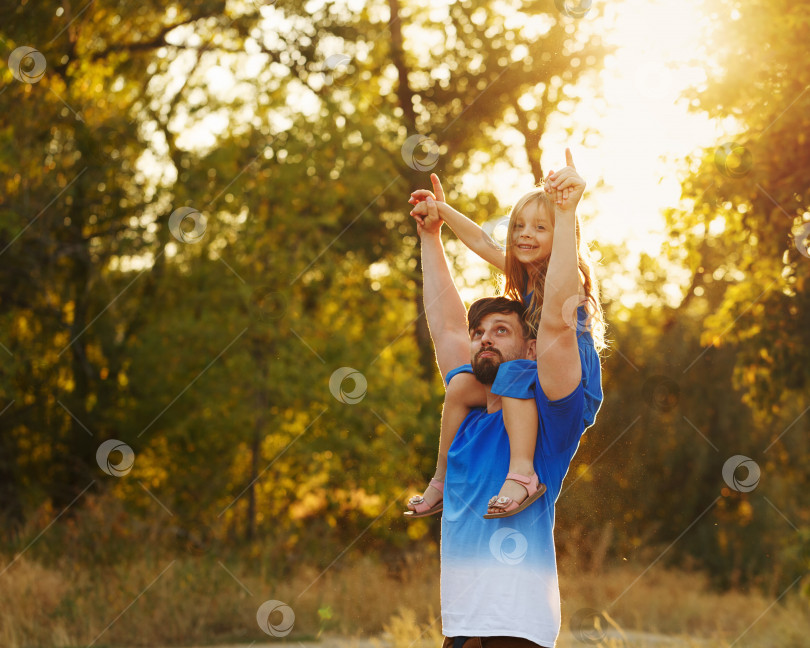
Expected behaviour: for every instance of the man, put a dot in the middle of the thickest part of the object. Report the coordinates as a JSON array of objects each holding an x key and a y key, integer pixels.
[{"x": 499, "y": 586}]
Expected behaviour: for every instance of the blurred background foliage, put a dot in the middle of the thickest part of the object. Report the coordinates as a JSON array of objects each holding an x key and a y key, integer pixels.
[{"x": 212, "y": 360}]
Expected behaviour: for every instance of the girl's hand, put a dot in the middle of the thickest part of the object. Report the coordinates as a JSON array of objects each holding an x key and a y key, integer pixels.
[
  {"x": 565, "y": 187},
  {"x": 421, "y": 194},
  {"x": 425, "y": 217}
]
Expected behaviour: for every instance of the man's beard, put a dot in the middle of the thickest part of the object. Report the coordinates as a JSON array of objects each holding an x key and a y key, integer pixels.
[{"x": 485, "y": 369}]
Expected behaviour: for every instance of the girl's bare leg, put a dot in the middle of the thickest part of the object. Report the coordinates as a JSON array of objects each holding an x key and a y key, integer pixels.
[
  {"x": 463, "y": 393},
  {"x": 520, "y": 420}
]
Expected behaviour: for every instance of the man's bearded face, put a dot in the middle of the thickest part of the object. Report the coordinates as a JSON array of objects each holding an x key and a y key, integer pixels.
[
  {"x": 485, "y": 365},
  {"x": 497, "y": 339}
]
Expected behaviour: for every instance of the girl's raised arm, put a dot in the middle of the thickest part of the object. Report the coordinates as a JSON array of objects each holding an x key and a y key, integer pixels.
[
  {"x": 558, "y": 362},
  {"x": 469, "y": 232}
]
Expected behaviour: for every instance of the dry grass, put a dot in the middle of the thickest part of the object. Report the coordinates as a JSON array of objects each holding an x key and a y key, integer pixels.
[
  {"x": 681, "y": 604},
  {"x": 197, "y": 601}
]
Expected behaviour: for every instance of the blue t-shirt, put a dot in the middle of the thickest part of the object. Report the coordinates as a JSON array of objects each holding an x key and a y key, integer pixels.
[{"x": 499, "y": 577}]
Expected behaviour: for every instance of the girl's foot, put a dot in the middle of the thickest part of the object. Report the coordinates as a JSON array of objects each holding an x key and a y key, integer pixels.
[
  {"x": 429, "y": 503},
  {"x": 517, "y": 493}
]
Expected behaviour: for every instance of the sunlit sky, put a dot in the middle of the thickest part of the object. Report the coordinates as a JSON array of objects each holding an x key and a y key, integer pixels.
[
  {"x": 634, "y": 166},
  {"x": 641, "y": 121}
]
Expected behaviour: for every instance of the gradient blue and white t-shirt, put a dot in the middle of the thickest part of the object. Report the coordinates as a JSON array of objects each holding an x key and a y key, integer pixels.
[{"x": 499, "y": 576}]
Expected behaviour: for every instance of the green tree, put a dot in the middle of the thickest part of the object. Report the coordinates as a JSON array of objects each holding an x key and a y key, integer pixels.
[
  {"x": 302, "y": 191},
  {"x": 743, "y": 238},
  {"x": 748, "y": 226}
]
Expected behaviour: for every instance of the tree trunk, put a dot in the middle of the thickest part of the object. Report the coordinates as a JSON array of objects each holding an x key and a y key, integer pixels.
[
  {"x": 255, "y": 449},
  {"x": 262, "y": 401},
  {"x": 531, "y": 138},
  {"x": 11, "y": 513},
  {"x": 414, "y": 178}
]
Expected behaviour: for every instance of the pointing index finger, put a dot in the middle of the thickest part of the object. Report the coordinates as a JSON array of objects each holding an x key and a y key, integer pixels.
[
  {"x": 437, "y": 187},
  {"x": 569, "y": 159}
]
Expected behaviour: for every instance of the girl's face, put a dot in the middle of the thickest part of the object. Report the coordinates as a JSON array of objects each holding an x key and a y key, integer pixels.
[{"x": 532, "y": 235}]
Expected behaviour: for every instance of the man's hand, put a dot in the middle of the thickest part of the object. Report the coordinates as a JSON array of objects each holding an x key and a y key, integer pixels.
[
  {"x": 566, "y": 186},
  {"x": 431, "y": 222}
]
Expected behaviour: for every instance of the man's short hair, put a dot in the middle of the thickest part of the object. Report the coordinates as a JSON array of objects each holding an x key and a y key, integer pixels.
[{"x": 483, "y": 307}]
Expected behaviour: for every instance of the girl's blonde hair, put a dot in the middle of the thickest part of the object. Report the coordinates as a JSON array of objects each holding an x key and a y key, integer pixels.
[{"x": 520, "y": 280}]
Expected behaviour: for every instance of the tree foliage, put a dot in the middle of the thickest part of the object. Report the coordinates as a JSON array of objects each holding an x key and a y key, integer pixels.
[
  {"x": 743, "y": 238},
  {"x": 212, "y": 359},
  {"x": 285, "y": 126}
]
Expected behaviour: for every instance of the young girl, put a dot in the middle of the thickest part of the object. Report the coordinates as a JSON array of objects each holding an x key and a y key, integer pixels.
[{"x": 528, "y": 249}]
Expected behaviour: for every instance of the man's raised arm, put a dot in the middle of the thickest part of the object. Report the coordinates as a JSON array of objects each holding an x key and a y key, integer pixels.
[{"x": 446, "y": 315}]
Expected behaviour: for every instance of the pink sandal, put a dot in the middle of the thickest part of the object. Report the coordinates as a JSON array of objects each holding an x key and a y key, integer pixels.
[
  {"x": 534, "y": 490},
  {"x": 421, "y": 509}
]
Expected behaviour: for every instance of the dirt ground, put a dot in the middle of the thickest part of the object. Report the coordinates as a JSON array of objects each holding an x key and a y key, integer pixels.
[{"x": 611, "y": 639}]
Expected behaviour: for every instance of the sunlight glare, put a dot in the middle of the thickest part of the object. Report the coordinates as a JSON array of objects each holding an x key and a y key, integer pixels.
[{"x": 634, "y": 165}]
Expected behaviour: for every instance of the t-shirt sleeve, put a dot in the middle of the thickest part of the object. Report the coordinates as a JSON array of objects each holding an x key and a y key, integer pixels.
[
  {"x": 516, "y": 379},
  {"x": 591, "y": 380},
  {"x": 466, "y": 368},
  {"x": 561, "y": 424},
  {"x": 563, "y": 421}
]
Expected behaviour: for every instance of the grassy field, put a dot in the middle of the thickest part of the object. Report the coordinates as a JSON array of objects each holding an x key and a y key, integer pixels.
[{"x": 204, "y": 601}]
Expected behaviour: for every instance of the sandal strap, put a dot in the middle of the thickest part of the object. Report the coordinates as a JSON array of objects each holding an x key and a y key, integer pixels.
[
  {"x": 529, "y": 483},
  {"x": 418, "y": 501},
  {"x": 423, "y": 507},
  {"x": 438, "y": 485}
]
